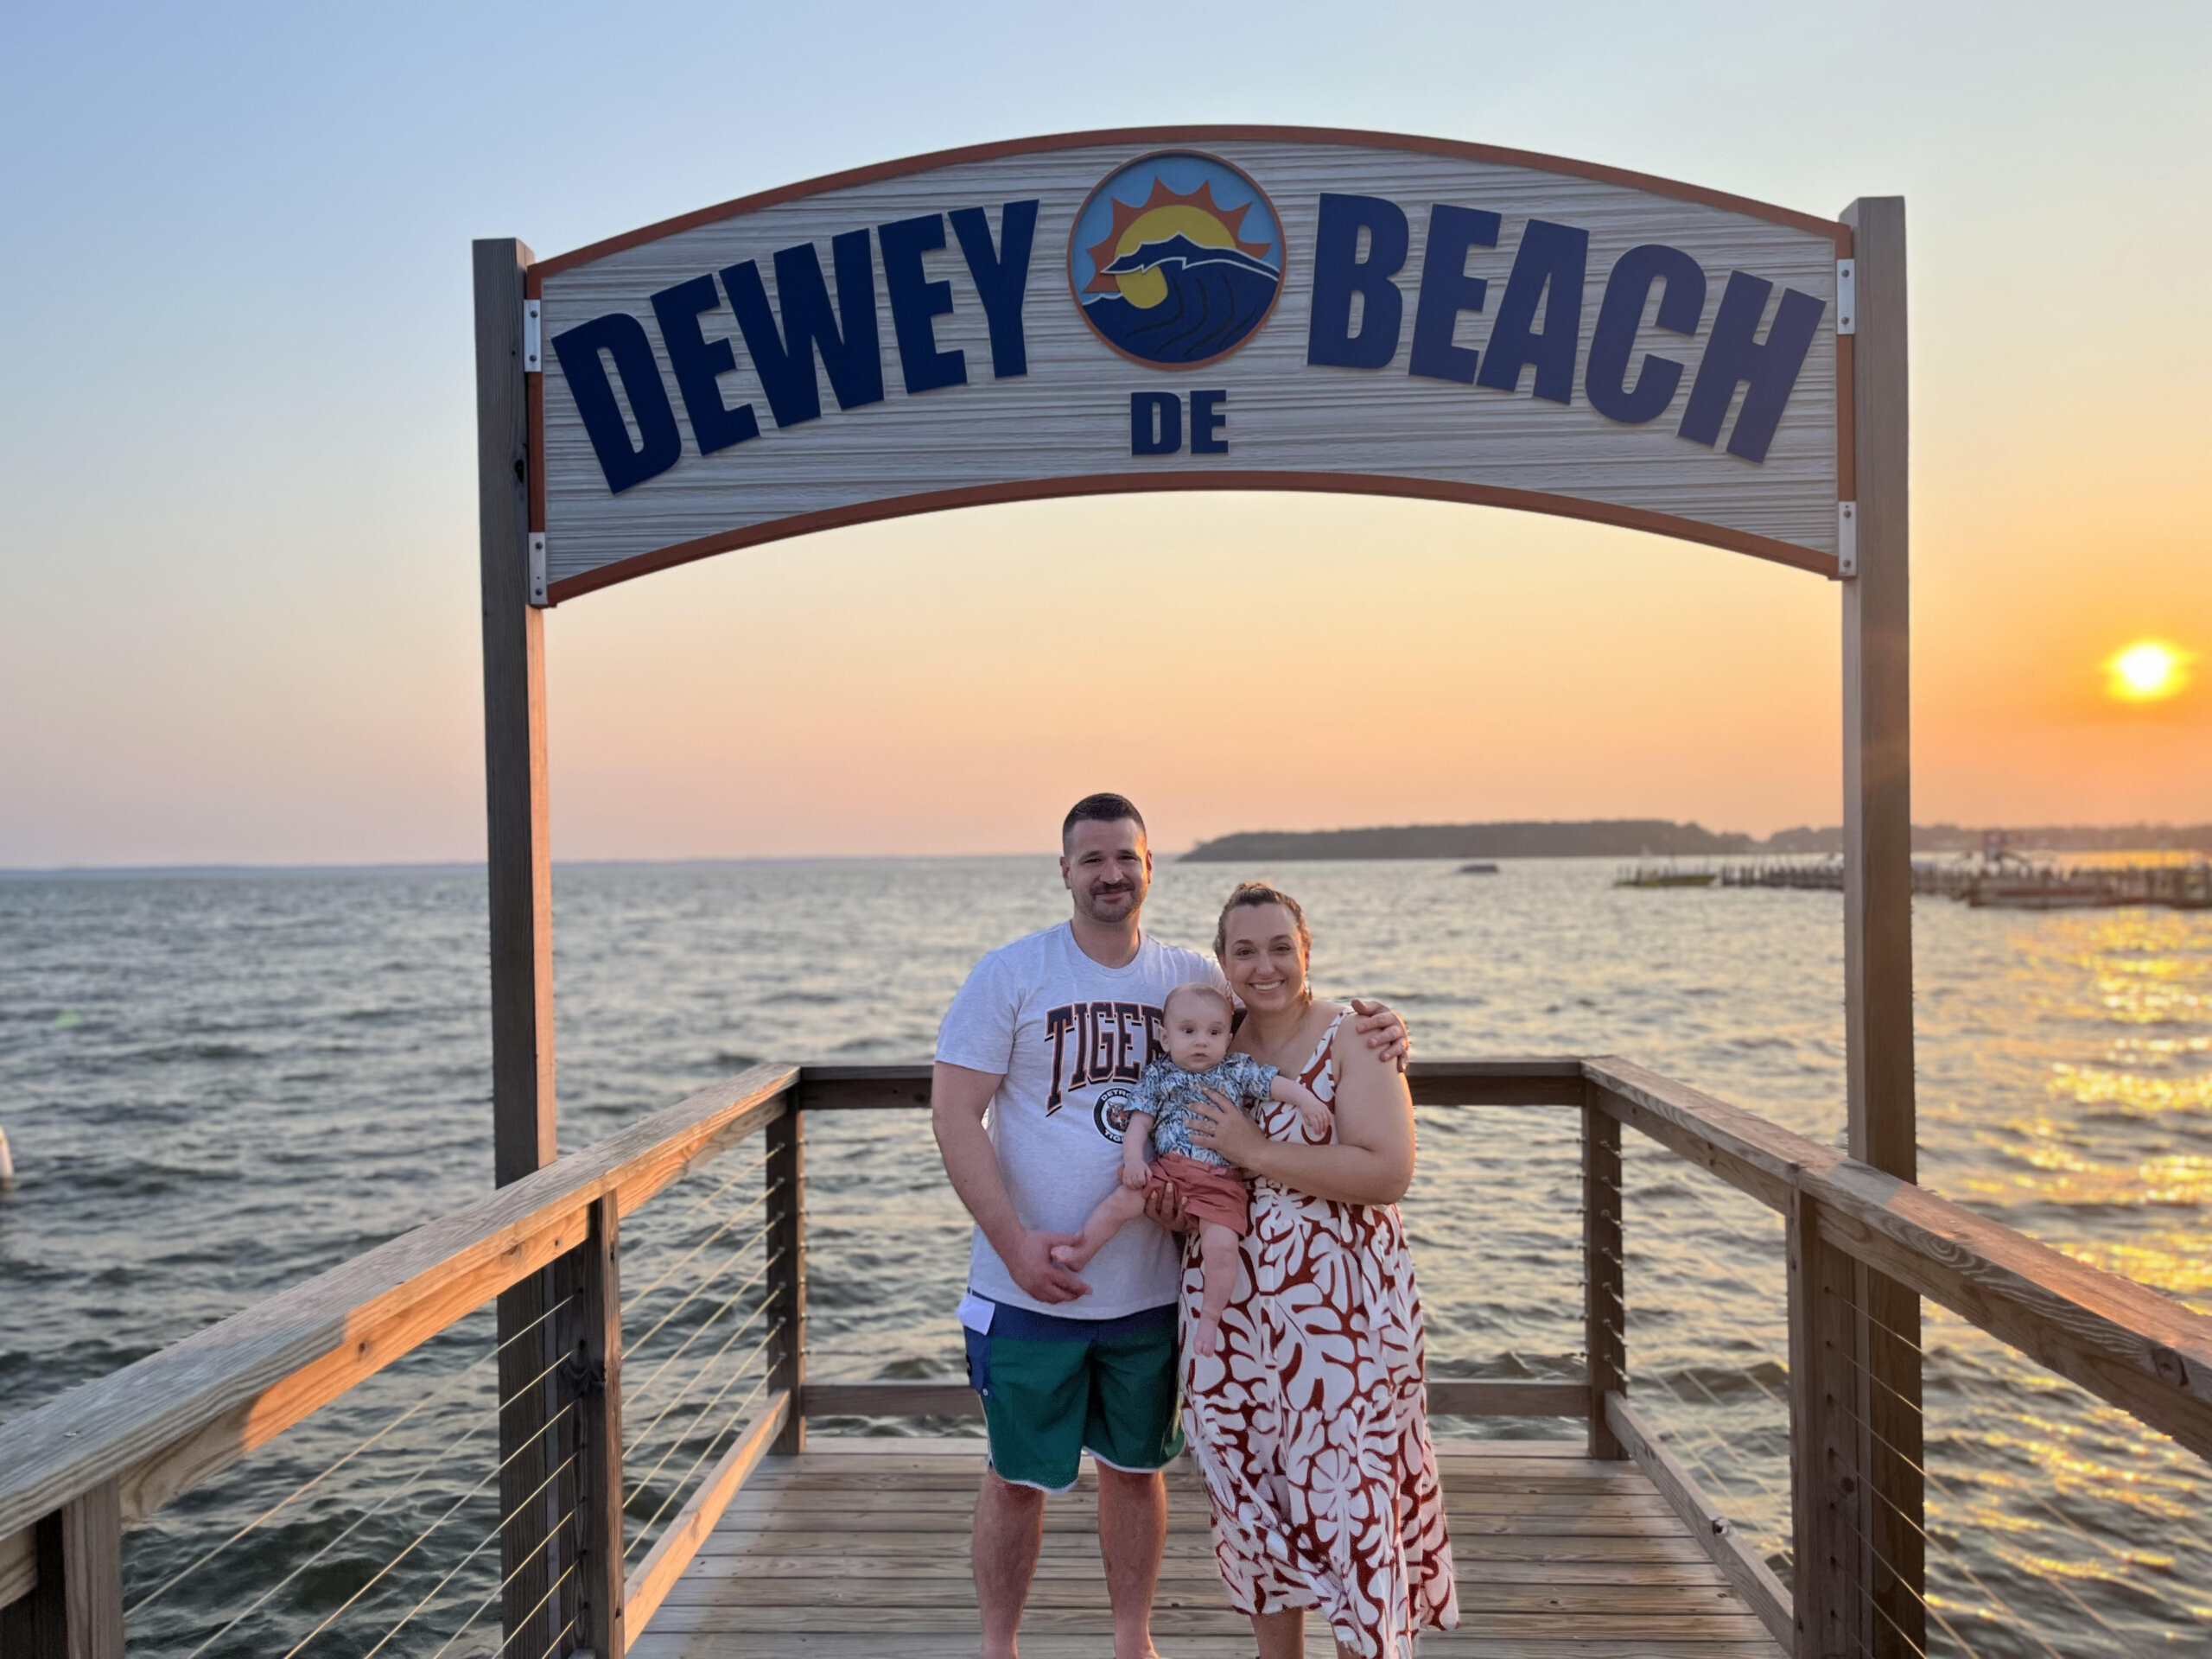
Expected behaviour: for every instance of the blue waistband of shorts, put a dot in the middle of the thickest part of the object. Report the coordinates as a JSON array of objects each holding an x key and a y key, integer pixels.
[{"x": 1026, "y": 1324}]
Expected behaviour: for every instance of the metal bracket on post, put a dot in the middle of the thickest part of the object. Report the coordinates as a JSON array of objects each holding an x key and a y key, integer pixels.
[
  {"x": 533, "y": 354},
  {"x": 1846, "y": 541},
  {"x": 1847, "y": 299},
  {"x": 538, "y": 567}
]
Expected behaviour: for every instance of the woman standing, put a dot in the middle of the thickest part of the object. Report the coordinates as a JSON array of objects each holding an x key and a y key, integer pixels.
[{"x": 1310, "y": 1423}]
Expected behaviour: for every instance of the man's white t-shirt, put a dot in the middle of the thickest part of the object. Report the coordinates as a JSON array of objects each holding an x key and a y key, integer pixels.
[{"x": 1071, "y": 1037}]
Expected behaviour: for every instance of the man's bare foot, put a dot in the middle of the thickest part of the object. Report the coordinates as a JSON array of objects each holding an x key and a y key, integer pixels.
[{"x": 1205, "y": 1337}]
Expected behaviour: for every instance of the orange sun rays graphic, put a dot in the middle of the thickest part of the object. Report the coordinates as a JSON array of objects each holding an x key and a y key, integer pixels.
[{"x": 1231, "y": 220}]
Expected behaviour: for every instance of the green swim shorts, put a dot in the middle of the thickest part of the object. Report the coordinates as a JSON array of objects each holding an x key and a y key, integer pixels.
[{"x": 1053, "y": 1389}]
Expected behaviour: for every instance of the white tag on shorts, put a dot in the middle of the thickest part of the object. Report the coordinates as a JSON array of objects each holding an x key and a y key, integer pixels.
[{"x": 975, "y": 1312}]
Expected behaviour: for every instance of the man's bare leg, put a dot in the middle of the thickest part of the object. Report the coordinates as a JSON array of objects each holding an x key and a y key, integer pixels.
[
  {"x": 1009, "y": 1531},
  {"x": 1132, "y": 1533}
]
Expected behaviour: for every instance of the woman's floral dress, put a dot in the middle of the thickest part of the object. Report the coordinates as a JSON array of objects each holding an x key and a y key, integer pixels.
[{"x": 1310, "y": 1423}]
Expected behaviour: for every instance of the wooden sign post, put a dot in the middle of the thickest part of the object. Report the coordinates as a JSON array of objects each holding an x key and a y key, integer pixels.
[
  {"x": 519, "y": 871},
  {"x": 1877, "y": 921}
]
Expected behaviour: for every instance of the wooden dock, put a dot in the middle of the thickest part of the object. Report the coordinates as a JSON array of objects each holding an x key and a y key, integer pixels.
[{"x": 858, "y": 1547}]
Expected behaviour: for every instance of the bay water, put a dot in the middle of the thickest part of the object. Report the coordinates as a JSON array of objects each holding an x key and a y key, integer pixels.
[{"x": 217, "y": 1084}]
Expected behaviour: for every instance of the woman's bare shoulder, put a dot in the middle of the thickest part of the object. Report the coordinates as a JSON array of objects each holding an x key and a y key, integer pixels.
[{"x": 1348, "y": 1044}]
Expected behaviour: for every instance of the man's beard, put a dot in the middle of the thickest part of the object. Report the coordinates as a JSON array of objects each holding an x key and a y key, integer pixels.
[{"x": 1105, "y": 907}]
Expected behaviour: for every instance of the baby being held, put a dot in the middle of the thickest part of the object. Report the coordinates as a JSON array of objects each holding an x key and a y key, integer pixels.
[{"x": 1197, "y": 1017}]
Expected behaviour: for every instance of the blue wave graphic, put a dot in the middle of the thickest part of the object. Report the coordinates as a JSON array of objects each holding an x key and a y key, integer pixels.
[{"x": 1216, "y": 298}]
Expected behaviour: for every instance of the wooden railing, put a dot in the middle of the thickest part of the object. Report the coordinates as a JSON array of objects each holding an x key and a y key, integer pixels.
[{"x": 74, "y": 1473}]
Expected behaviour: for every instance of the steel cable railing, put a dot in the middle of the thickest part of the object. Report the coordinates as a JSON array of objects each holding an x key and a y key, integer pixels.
[
  {"x": 560, "y": 1527},
  {"x": 675, "y": 1267},
  {"x": 644, "y": 1438},
  {"x": 633, "y": 1395},
  {"x": 421, "y": 1474},
  {"x": 736, "y": 1415},
  {"x": 541, "y": 1435},
  {"x": 728, "y": 1261},
  {"x": 483, "y": 1606},
  {"x": 441, "y": 1394},
  {"x": 1957, "y": 1380},
  {"x": 422, "y": 1537},
  {"x": 559, "y": 1636},
  {"x": 490, "y": 1538},
  {"x": 635, "y": 1443},
  {"x": 1758, "y": 1239},
  {"x": 1947, "y": 1498},
  {"x": 698, "y": 1370},
  {"x": 1726, "y": 1461},
  {"x": 1995, "y": 1604}
]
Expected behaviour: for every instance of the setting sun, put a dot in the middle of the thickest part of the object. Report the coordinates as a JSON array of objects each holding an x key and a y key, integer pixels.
[{"x": 2147, "y": 670}]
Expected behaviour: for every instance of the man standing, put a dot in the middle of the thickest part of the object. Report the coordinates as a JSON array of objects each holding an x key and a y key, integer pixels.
[{"x": 1049, "y": 1035}]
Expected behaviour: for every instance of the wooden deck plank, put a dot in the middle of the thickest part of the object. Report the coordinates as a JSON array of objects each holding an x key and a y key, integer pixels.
[
  {"x": 830, "y": 1644},
  {"x": 832, "y": 1554}
]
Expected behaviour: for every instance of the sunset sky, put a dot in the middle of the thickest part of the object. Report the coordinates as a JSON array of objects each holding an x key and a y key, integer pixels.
[{"x": 237, "y": 491}]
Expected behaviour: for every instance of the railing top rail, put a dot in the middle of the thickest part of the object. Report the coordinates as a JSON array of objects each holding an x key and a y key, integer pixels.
[
  {"x": 175, "y": 1417},
  {"x": 1541, "y": 1080},
  {"x": 2124, "y": 1342}
]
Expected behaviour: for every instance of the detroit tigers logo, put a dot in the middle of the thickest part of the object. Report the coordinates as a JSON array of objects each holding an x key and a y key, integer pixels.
[
  {"x": 1111, "y": 1114},
  {"x": 1101, "y": 1042}
]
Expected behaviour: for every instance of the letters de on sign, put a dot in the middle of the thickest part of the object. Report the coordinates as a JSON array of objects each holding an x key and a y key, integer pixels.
[{"x": 1203, "y": 308}]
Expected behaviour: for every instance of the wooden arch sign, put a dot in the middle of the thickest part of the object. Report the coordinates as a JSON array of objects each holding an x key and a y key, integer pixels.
[
  {"x": 1215, "y": 308},
  {"x": 1208, "y": 307}
]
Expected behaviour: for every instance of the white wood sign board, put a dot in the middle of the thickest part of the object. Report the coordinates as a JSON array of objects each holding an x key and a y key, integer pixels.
[{"x": 1470, "y": 393}]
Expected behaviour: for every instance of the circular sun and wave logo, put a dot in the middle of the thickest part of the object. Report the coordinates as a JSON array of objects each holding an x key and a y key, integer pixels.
[{"x": 1176, "y": 259}]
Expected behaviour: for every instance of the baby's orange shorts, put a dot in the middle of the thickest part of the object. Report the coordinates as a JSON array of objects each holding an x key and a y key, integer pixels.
[{"x": 1210, "y": 1192}]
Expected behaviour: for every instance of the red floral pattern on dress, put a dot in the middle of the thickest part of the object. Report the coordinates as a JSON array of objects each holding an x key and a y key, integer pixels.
[{"x": 1310, "y": 1424}]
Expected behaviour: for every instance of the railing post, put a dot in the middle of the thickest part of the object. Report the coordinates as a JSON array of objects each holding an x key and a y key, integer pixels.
[
  {"x": 786, "y": 1245},
  {"x": 588, "y": 1288},
  {"x": 75, "y": 1610},
  {"x": 1604, "y": 1310},
  {"x": 1829, "y": 1501},
  {"x": 528, "y": 1503}
]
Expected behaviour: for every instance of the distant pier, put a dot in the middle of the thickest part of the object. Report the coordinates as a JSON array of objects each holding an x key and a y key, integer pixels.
[{"x": 2011, "y": 883}]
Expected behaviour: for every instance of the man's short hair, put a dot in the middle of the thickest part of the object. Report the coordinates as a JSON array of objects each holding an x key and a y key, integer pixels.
[{"x": 1100, "y": 809}]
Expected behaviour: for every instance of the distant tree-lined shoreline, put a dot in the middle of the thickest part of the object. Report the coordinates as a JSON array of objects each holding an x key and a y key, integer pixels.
[{"x": 1658, "y": 838}]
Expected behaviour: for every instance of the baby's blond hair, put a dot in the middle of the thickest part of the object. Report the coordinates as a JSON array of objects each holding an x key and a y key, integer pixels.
[{"x": 1200, "y": 988}]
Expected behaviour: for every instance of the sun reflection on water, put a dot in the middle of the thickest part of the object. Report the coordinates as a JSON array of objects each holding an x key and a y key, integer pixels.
[{"x": 2058, "y": 1495}]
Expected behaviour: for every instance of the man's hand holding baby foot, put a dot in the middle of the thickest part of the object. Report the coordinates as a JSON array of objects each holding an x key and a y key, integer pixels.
[{"x": 1034, "y": 1264}]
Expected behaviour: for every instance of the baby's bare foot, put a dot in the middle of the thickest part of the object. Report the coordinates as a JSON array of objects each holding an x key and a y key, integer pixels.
[{"x": 1070, "y": 1256}]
